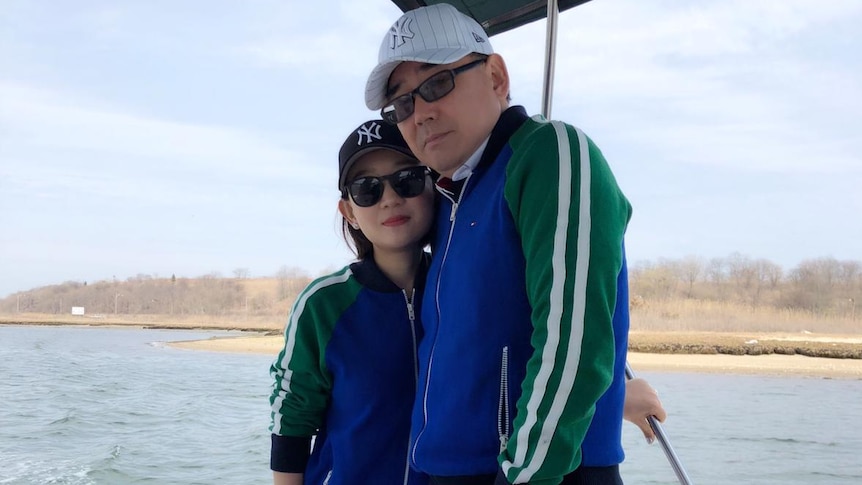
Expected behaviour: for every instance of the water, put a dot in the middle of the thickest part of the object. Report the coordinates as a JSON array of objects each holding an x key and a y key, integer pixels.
[
  {"x": 107, "y": 406},
  {"x": 753, "y": 430},
  {"x": 85, "y": 406}
]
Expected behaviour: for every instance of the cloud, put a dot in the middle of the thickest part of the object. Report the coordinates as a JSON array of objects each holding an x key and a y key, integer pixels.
[
  {"x": 53, "y": 139},
  {"x": 54, "y": 119},
  {"x": 729, "y": 84},
  {"x": 330, "y": 42}
]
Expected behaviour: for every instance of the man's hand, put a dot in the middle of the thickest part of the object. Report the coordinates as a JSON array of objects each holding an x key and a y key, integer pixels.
[{"x": 641, "y": 402}]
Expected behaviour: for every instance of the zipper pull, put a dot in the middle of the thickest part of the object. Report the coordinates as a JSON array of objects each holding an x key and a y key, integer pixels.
[
  {"x": 454, "y": 209},
  {"x": 504, "y": 441},
  {"x": 409, "y": 299}
]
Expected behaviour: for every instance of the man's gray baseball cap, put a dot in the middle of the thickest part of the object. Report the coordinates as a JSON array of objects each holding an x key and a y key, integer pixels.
[{"x": 437, "y": 34}]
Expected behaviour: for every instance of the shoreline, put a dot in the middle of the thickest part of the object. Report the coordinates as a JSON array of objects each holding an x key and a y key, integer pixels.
[
  {"x": 768, "y": 365},
  {"x": 765, "y": 365},
  {"x": 800, "y": 354}
]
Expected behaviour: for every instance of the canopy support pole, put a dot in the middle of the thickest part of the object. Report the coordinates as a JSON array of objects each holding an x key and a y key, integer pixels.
[{"x": 550, "y": 58}]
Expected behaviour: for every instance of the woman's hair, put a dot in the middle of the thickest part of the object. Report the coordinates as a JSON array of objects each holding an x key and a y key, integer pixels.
[{"x": 355, "y": 239}]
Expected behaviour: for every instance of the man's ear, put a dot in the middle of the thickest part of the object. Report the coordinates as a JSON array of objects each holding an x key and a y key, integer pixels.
[{"x": 499, "y": 75}]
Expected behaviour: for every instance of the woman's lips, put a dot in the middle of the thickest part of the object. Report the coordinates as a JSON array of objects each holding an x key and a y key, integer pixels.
[{"x": 396, "y": 221}]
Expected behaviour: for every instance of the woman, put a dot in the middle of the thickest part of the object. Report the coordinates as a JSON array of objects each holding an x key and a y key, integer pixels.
[{"x": 347, "y": 373}]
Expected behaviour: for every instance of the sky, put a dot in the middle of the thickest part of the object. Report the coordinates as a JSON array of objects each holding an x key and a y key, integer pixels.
[{"x": 192, "y": 137}]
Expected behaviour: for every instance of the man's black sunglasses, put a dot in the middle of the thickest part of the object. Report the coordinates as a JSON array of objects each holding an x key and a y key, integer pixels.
[
  {"x": 407, "y": 182},
  {"x": 431, "y": 89}
]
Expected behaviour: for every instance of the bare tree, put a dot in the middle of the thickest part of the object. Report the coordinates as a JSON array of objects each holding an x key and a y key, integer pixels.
[
  {"x": 716, "y": 274},
  {"x": 291, "y": 280},
  {"x": 655, "y": 281},
  {"x": 813, "y": 284},
  {"x": 691, "y": 267}
]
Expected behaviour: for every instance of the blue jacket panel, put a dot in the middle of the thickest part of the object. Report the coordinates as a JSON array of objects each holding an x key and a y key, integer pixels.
[
  {"x": 370, "y": 360},
  {"x": 478, "y": 331}
]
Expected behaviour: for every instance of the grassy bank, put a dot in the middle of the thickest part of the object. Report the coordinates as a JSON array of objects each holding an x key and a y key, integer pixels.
[{"x": 751, "y": 343}]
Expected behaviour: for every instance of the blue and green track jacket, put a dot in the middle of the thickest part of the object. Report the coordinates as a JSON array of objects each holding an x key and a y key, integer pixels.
[
  {"x": 347, "y": 375},
  {"x": 518, "y": 310}
]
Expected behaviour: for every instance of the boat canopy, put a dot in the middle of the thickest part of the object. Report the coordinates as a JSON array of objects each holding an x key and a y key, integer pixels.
[{"x": 496, "y": 16}]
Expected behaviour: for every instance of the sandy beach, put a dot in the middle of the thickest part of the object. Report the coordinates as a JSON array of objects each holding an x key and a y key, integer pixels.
[
  {"x": 779, "y": 353},
  {"x": 795, "y": 365}
]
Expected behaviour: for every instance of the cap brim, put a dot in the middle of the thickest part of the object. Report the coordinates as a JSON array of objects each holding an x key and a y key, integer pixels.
[
  {"x": 359, "y": 153},
  {"x": 375, "y": 87}
]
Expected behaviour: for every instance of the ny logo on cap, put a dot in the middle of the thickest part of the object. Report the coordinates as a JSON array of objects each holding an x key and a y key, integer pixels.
[
  {"x": 400, "y": 32},
  {"x": 366, "y": 133}
]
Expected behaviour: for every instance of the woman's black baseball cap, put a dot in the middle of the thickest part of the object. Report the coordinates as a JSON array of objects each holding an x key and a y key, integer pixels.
[{"x": 369, "y": 136}]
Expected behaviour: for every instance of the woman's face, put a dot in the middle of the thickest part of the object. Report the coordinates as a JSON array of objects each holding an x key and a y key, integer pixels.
[{"x": 394, "y": 223}]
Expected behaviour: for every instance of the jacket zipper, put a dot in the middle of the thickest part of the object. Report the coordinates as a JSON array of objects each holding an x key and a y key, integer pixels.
[
  {"x": 455, "y": 202},
  {"x": 503, "y": 407},
  {"x": 411, "y": 314}
]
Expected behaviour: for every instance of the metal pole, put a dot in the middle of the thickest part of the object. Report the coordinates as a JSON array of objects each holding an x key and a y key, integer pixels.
[
  {"x": 550, "y": 57},
  {"x": 675, "y": 463}
]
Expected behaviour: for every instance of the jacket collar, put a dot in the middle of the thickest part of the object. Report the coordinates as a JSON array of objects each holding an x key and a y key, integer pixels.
[
  {"x": 509, "y": 122},
  {"x": 369, "y": 275}
]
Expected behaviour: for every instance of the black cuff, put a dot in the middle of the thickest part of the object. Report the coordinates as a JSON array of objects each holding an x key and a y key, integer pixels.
[
  {"x": 289, "y": 454},
  {"x": 501, "y": 479}
]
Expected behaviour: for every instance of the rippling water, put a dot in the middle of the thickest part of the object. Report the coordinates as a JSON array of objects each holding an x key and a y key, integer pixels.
[
  {"x": 730, "y": 429},
  {"x": 82, "y": 405},
  {"x": 110, "y": 406}
]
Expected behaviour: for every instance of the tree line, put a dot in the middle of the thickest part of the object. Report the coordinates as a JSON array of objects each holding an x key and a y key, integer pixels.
[
  {"x": 823, "y": 286},
  {"x": 144, "y": 294}
]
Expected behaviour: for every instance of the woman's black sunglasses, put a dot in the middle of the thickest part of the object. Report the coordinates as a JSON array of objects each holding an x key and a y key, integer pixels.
[
  {"x": 431, "y": 89},
  {"x": 407, "y": 182}
]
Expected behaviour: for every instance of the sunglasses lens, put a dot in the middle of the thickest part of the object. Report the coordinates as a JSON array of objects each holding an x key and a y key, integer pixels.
[
  {"x": 400, "y": 109},
  {"x": 366, "y": 191},
  {"x": 410, "y": 182},
  {"x": 437, "y": 86},
  {"x": 434, "y": 88},
  {"x": 389, "y": 114}
]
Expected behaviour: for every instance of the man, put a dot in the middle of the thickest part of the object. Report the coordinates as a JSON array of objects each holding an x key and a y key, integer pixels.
[{"x": 527, "y": 287}]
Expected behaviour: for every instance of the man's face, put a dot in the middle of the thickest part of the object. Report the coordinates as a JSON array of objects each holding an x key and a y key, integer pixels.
[{"x": 444, "y": 133}]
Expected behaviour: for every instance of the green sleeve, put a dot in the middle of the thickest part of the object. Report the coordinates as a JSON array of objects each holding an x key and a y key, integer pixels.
[
  {"x": 571, "y": 216},
  {"x": 302, "y": 383}
]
